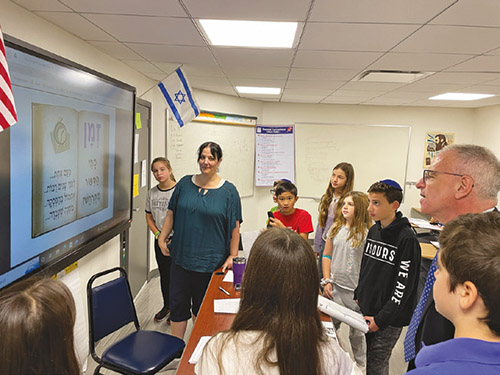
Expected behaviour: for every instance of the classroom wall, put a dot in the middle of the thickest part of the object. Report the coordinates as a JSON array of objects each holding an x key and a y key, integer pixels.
[{"x": 488, "y": 129}]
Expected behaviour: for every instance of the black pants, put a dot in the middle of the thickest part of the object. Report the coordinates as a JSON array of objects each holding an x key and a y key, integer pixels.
[{"x": 164, "y": 263}]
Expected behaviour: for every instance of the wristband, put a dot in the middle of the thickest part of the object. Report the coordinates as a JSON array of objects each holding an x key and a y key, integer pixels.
[
  {"x": 157, "y": 234},
  {"x": 326, "y": 281},
  {"x": 327, "y": 256}
]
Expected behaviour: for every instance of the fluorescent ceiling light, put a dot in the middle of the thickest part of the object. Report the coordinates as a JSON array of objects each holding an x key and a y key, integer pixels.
[
  {"x": 460, "y": 96},
  {"x": 250, "y": 33},
  {"x": 258, "y": 90},
  {"x": 393, "y": 76}
]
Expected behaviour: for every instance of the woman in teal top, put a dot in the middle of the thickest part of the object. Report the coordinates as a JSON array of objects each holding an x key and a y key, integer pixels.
[{"x": 205, "y": 214}]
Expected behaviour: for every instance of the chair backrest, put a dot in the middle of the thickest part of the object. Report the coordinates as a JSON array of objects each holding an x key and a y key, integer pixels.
[{"x": 110, "y": 305}]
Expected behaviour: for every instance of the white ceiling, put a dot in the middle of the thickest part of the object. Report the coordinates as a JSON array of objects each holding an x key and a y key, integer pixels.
[{"x": 459, "y": 40}]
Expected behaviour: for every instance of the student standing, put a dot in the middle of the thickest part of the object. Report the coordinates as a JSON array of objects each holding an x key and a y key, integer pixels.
[
  {"x": 388, "y": 279},
  {"x": 288, "y": 216},
  {"x": 341, "y": 181},
  {"x": 342, "y": 261},
  {"x": 205, "y": 213},
  {"x": 277, "y": 329},
  {"x": 467, "y": 292},
  {"x": 156, "y": 209}
]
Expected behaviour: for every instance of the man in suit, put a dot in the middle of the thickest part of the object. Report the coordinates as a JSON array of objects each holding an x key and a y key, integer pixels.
[{"x": 462, "y": 179}]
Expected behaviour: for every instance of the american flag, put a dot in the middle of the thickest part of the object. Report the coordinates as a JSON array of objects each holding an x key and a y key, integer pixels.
[{"x": 8, "y": 115}]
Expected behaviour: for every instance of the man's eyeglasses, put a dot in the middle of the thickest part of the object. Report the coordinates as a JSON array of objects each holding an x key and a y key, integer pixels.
[{"x": 429, "y": 173}]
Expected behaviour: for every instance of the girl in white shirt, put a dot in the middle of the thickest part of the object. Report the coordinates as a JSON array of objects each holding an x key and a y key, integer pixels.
[{"x": 277, "y": 329}]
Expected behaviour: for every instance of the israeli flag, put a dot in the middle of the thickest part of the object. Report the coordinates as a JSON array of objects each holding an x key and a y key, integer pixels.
[{"x": 179, "y": 97}]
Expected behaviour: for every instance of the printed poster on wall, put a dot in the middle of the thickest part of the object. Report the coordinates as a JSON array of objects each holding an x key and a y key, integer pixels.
[
  {"x": 434, "y": 143},
  {"x": 274, "y": 154}
]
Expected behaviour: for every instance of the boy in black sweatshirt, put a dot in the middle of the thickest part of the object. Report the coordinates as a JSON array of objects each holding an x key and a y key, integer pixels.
[{"x": 387, "y": 287}]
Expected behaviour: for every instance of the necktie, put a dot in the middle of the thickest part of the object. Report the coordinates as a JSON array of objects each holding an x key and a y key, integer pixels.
[{"x": 409, "y": 343}]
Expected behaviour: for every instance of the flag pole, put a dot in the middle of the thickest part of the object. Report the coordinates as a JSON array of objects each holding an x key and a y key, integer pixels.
[{"x": 156, "y": 84}]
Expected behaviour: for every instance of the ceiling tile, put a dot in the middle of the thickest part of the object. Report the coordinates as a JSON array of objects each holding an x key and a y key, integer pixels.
[
  {"x": 37, "y": 5},
  {"x": 256, "y": 72},
  {"x": 495, "y": 52},
  {"x": 198, "y": 81},
  {"x": 357, "y": 94},
  {"x": 372, "y": 86},
  {"x": 261, "y": 10},
  {"x": 77, "y": 25},
  {"x": 117, "y": 50},
  {"x": 149, "y": 29},
  {"x": 307, "y": 92},
  {"x": 460, "y": 77},
  {"x": 382, "y": 100},
  {"x": 465, "y": 12},
  {"x": 174, "y": 54},
  {"x": 427, "y": 62},
  {"x": 319, "y": 74},
  {"x": 451, "y": 39},
  {"x": 231, "y": 57},
  {"x": 258, "y": 82},
  {"x": 341, "y": 100},
  {"x": 362, "y": 37},
  {"x": 170, "y": 8},
  {"x": 314, "y": 84},
  {"x": 334, "y": 60},
  {"x": 480, "y": 63},
  {"x": 481, "y": 89},
  {"x": 431, "y": 88},
  {"x": 142, "y": 66},
  {"x": 294, "y": 98},
  {"x": 227, "y": 90},
  {"x": 200, "y": 70},
  {"x": 168, "y": 67},
  {"x": 387, "y": 11}
]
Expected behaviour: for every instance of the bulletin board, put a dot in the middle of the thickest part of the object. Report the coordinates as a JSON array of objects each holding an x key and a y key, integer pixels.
[
  {"x": 376, "y": 152},
  {"x": 238, "y": 148}
]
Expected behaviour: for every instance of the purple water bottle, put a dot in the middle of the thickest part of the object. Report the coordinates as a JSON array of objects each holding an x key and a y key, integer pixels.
[{"x": 238, "y": 269}]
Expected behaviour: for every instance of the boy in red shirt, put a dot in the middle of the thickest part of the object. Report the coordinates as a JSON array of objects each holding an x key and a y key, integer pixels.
[{"x": 288, "y": 216}]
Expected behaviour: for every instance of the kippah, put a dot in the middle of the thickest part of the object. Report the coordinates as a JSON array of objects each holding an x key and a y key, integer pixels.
[{"x": 392, "y": 183}]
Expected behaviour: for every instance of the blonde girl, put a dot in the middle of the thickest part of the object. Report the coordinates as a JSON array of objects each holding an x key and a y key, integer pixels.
[
  {"x": 342, "y": 261},
  {"x": 341, "y": 182},
  {"x": 156, "y": 209}
]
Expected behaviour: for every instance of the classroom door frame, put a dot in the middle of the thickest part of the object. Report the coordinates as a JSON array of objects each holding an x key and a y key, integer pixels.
[{"x": 137, "y": 252}]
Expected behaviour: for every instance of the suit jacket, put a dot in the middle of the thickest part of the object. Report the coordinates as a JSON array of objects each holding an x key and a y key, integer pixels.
[{"x": 433, "y": 327}]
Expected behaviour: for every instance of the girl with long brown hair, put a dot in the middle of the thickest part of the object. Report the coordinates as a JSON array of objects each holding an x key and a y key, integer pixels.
[
  {"x": 277, "y": 329},
  {"x": 36, "y": 325},
  {"x": 341, "y": 182},
  {"x": 342, "y": 261}
]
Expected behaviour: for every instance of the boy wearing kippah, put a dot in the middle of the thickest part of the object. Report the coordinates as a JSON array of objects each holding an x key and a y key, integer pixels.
[
  {"x": 387, "y": 287},
  {"x": 467, "y": 292}
]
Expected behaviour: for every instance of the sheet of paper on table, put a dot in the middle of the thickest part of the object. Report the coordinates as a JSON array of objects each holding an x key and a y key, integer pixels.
[
  {"x": 436, "y": 244},
  {"x": 420, "y": 223},
  {"x": 229, "y": 277},
  {"x": 227, "y": 305},
  {"x": 199, "y": 349}
]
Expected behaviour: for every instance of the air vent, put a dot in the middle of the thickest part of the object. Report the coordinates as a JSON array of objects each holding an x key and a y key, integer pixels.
[{"x": 392, "y": 76}]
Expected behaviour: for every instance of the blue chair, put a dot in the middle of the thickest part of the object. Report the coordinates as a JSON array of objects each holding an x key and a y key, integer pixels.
[{"x": 110, "y": 307}]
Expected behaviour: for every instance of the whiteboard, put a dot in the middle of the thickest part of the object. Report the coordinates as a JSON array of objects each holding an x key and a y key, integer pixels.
[
  {"x": 237, "y": 143},
  {"x": 376, "y": 152}
]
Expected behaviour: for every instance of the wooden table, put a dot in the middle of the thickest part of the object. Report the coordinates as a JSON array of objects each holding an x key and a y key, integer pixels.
[
  {"x": 209, "y": 323},
  {"x": 428, "y": 250}
]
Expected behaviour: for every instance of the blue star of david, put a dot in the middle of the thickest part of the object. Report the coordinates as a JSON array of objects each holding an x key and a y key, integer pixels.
[{"x": 179, "y": 97}]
